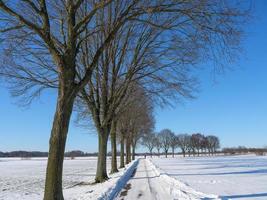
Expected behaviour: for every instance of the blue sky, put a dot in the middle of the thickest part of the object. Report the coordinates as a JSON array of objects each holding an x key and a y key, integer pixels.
[{"x": 234, "y": 108}]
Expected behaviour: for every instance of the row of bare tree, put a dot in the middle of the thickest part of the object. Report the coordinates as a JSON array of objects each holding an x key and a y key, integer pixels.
[
  {"x": 98, "y": 54},
  {"x": 189, "y": 144}
]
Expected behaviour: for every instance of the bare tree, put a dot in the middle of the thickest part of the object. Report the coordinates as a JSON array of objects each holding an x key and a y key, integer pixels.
[
  {"x": 213, "y": 144},
  {"x": 45, "y": 41},
  {"x": 183, "y": 142},
  {"x": 139, "y": 116},
  {"x": 166, "y": 137},
  {"x": 174, "y": 143},
  {"x": 204, "y": 144},
  {"x": 149, "y": 141},
  {"x": 123, "y": 129},
  {"x": 197, "y": 141},
  {"x": 158, "y": 144},
  {"x": 41, "y": 43},
  {"x": 143, "y": 123}
]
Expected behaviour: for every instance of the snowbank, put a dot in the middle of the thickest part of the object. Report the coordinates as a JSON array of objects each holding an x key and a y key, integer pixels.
[
  {"x": 178, "y": 189},
  {"x": 101, "y": 191},
  {"x": 113, "y": 191}
]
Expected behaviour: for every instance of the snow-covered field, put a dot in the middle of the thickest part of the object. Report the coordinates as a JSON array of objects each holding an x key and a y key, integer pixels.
[
  {"x": 24, "y": 179},
  {"x": 230, "y": 177}
]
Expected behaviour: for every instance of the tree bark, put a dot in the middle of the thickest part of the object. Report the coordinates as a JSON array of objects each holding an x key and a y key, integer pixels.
[
  {"x": 133, "y": 152},
  {"x": 183, "y": 152},
  {"x": 101, "y": 172},
  {"x": 114, "y": 167},
  {"x": 122, "y": 152},
  {"x": 128, "y": 150},
  {"x": 53, "y": 182}
]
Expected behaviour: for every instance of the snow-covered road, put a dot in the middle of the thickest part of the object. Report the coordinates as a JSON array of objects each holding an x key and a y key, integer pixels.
[
  {"x": 147, "y": 183},
  {"x": 144, "y": 184}
]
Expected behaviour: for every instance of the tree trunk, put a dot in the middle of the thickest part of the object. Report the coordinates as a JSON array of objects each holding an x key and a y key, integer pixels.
[
  {"x": 133, "y": 152},
  {"x": 128, "y": 150},
  {"x": 53, "y": 181},
  {"x": 166, "y": 152},
  {"x": 158, "y": 153},
  {"x": 113, "y": 148},
  {"x": 101, "y": 172},
  {"x": 122, "y": 152},
  {"x": 173, "y": 152}
]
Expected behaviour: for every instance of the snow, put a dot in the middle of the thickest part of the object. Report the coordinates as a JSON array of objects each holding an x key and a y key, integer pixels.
[
  {"x": 230, "y": 177},
  {"x": 149, "y": 183},
  {"x": 221, "y": 177},
  {"x": 24, "y": 179}
]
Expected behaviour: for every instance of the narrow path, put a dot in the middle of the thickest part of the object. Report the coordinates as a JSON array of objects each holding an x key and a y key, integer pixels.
[{"x": 144, "y": 185}]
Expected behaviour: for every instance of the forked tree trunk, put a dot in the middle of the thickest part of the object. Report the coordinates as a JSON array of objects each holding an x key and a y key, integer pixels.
[
  {"x": 101, "y": 171},
  {"x": 114, "y": 167},
  {"x": 122, "y": 152},
  {"x": 53, "y": 182}
]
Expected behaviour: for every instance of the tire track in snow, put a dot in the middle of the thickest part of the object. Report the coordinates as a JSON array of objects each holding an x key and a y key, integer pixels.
[{"x": 152, "y": 191}]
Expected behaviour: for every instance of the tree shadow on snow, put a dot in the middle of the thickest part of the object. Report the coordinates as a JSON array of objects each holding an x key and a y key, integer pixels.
[
  {"x": 260, "y": 171},
  {"x": 242, "y": 196}
]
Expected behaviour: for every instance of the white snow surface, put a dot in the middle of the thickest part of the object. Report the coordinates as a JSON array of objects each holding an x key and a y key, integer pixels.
[
  {"x": 230, "y": 177},
  {"x": 149, "y": 183},
  {"x": 24, "y": 179},
  {"x": 204, "y": 178}
]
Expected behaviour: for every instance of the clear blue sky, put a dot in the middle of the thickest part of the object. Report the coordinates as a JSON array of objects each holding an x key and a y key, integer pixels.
[{"x": 235, "y": 108}]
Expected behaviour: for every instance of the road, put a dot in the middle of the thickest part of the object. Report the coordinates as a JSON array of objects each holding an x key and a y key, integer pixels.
[{"x": 144, "y": 185}]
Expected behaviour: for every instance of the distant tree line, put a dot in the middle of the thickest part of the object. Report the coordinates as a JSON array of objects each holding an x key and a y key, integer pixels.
[
  {"x": 244, "y": 150},
  {"x": 24, "y": 154},
  {"x": 29, "y": 154},
  {"x": 194, "y": 144}
]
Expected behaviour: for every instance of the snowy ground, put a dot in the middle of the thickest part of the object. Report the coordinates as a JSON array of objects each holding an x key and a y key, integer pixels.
[
  {"x": 205, "y": 178},
  {"x": 230, "y": 177},
  {"x": 24, "y": 179},
  {"x": 149, "y": 183}
]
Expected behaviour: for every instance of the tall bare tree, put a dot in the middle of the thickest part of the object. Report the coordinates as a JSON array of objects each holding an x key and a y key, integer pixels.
[
  {"x": 174, "y": 143},
  {"x": 197, "y": 140},
  {"x": 149, "y": 141},
  {"x": 158, "y": 144},
  {"x": 184, "y": 142},
  {"x": 166, "y": 136},
  {"x": 42, "y": 41}
]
